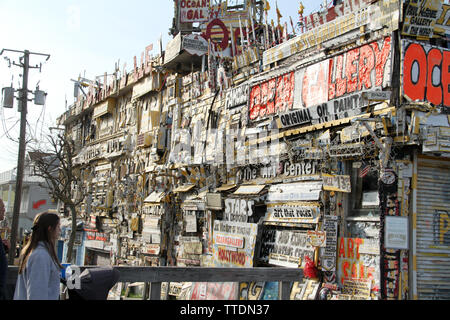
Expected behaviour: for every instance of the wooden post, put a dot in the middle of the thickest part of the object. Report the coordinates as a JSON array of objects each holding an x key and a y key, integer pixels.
[
  {"x": 155, "y": 291},
  {"x": 285, "y": 290}
]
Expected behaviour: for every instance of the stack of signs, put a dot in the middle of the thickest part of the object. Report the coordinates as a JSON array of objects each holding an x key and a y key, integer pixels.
[{"x": 234, "y": 244}]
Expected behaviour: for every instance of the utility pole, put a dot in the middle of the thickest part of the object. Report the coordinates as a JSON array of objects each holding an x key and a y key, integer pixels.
[{"x": 23, "y": 104}]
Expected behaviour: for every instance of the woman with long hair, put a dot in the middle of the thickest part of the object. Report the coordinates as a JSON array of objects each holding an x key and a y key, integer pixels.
[{"x": 39, "y": 267}]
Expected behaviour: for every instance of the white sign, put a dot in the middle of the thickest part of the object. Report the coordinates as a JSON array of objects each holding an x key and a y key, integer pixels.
[
  {"x": 193, "y": 10},
  {"x": 301, "y": 191},
  {"x": 195, "y": 44},
  {"x": 396, "y": 233},
  {"x": 238, "y": 210}
]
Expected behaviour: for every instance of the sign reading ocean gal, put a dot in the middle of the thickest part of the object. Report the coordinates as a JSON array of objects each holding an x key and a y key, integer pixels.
[
  {"x": 234, "y": 244},
  {"x": 426, "y": 73},
  {"x": 193, "y": 10}
]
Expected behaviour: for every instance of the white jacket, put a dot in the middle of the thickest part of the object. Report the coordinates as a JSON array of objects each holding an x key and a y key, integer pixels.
[{"x": 40, "y": 279}]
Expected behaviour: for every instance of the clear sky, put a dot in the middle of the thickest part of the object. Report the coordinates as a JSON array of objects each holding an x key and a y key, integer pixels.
[{"x": 83, "y": 38}]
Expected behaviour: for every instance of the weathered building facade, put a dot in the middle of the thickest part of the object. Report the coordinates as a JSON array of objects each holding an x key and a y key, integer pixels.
[{"x": 245, "y": 145}]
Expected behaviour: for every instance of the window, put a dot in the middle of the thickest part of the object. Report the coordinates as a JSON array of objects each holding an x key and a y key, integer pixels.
[{"x": 363, "y": 200}]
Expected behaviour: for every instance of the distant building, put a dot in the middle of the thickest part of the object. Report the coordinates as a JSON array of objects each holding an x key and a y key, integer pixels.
[{"x": 35, "y": 197}]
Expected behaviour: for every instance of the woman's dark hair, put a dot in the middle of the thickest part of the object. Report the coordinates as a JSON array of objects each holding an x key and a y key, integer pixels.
[{"x": 40, "y": 232}]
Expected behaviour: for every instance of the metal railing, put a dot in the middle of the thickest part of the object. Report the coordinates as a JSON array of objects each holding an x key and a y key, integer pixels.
[{"x": 157, "y": 275}]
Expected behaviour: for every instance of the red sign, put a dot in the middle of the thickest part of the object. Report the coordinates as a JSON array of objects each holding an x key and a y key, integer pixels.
[
  {"x": 426, "y": 73},
  {"x": 272, "y": 97},
  {"x": 193, "y": 10},
  {"x": 360, "y": 68},
  {"x": 39, "y": 203}
]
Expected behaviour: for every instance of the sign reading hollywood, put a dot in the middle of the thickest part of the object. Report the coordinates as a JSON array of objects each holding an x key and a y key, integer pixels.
[
  {"x": 193, "y": 10},
  {"x": 426, "y": 73},
  {"x": 234, "y": 244}
]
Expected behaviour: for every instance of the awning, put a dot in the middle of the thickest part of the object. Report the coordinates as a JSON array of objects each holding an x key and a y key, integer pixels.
[
  {"x": 185, "y": 188},
  {"x": 250, "y": 189},
  {"x": 155, "y": 197},
  {"x": 226, "y": 187}
]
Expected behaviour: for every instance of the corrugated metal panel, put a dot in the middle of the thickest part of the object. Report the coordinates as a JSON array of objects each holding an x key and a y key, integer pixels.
[{"x": 433, "y": 228}]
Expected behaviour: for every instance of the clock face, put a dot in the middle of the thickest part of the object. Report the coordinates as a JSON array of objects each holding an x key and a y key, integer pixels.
[{"x": 388, "y": 177}]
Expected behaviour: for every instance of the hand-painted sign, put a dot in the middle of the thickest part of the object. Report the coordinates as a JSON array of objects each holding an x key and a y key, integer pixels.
[
  {"x": 238, "y": 210},
  {"x": 193, "y": 10},
  {"x": 301, "y": 213},
  {"x": 272, "y": 97},
  {"x": 228, "y": 237},
  {"x": 377, "y": 15},
  {"x": 426, "y": 73},
  {"x": 353, "y": 264},
  {"x": 195, "y": 44},
  {"x": 299, "y": 191},
  {"x": 285, "y": 248},
  {"x": 328, "y": 254},
  {"x": 214, "y": 291},
  {"x": 317, "y": 238},
  {"x": 237, "y": 96},
  {"x": 339, "y": 183},
  {"x": 420, "y": 18}
]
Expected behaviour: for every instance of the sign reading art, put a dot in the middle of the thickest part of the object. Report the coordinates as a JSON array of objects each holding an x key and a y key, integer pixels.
[
  {"x": 353, "y": 264},
  {"x": 272, "y": 97},
  {"x": 426, "y": 73},
  {"x": 285, "y": 248},
  {"x": 234, "y": 244},
  {"x": 193, "y": 10}
]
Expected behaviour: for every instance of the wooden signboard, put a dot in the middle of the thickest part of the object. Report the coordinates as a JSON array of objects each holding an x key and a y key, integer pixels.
[
  {"x": 234, "y": 244},
  {"x": 328, "y": 253},
  {"x": 352, "y": 264},
  {"x": 292, "y": 213},
  {"x": 339, "y": 183},
  {"x": 285, "y": 248}
]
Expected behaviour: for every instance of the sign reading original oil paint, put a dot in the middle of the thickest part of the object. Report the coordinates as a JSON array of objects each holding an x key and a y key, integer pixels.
[
  {"x": 426, "y": 73},
  {"x": 234, "y": 244},
  {"x": 285, "y": 248}
]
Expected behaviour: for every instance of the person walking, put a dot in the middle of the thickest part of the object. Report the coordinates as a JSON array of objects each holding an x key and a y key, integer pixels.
[
  {"x": 3, "y": 257},
  {"x": 39, "y": 267}
]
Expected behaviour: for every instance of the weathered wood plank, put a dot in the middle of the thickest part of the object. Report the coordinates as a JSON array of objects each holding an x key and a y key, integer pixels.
[{"x": 195, "y": 274}]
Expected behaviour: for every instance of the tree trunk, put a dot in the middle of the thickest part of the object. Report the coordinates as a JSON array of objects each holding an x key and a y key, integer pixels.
[{"x": 72, "y": 233}]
